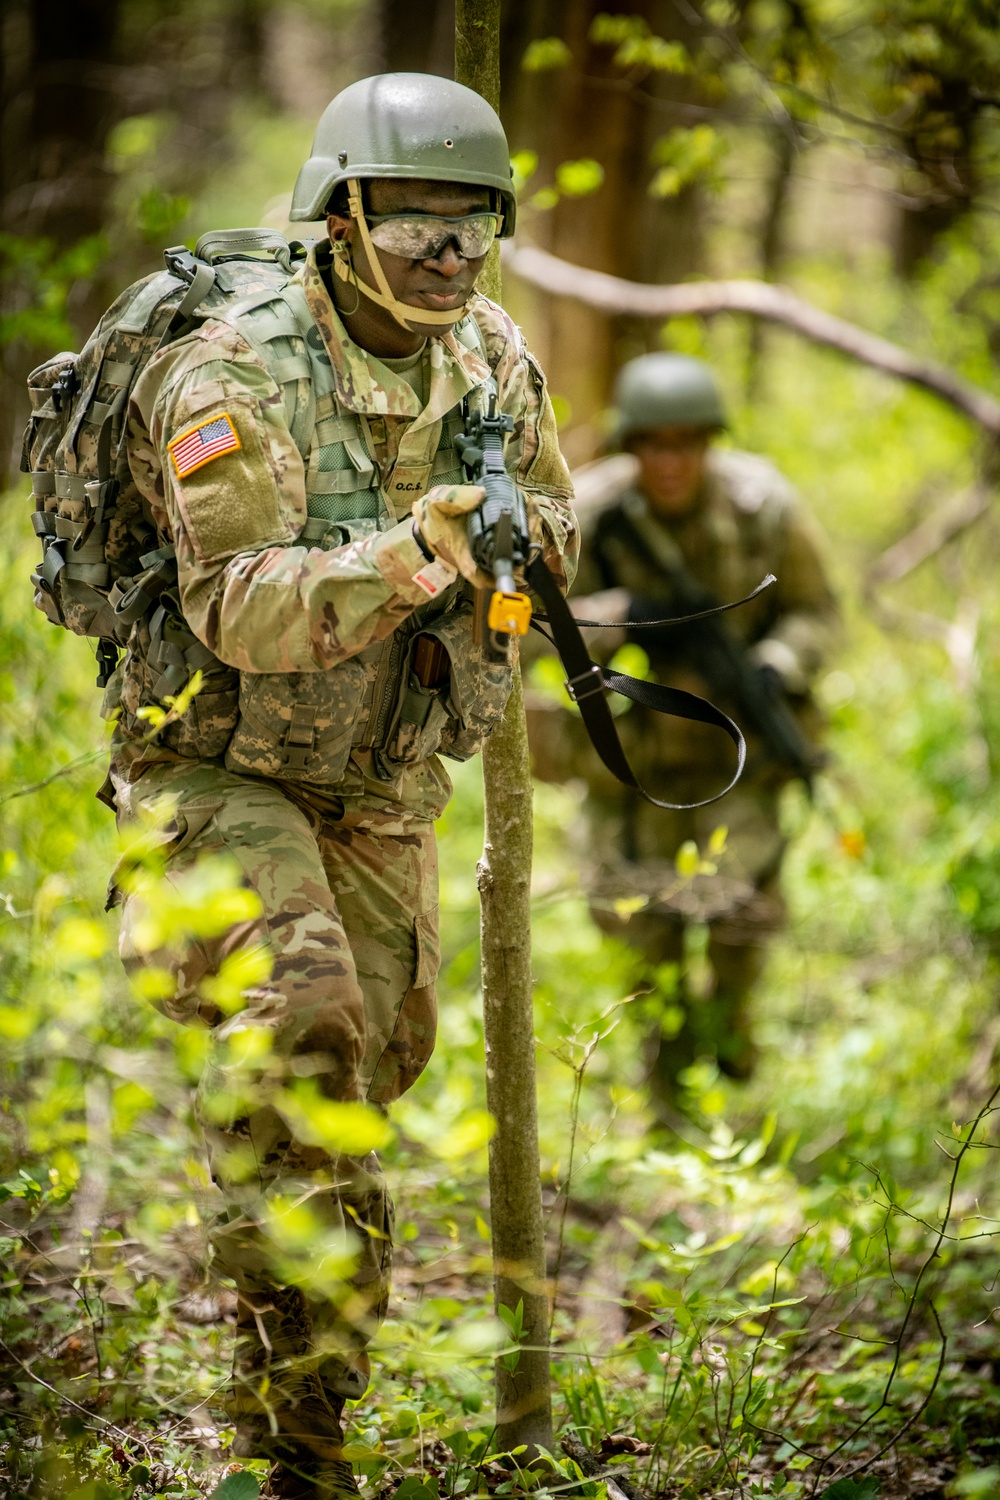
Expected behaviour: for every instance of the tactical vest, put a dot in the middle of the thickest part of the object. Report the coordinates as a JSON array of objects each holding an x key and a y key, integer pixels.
[{"x": 303, "y": 726}]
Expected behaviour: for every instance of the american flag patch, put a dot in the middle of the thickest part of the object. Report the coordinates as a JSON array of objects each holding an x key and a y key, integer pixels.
[{"x": 199, "y": 445}]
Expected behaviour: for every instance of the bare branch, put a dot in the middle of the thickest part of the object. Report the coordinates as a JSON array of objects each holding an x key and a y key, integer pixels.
[
  {"x": 67, "y": 770},
  {"x": 940, "y": 527},
  {"x": 758, "y": 299}
]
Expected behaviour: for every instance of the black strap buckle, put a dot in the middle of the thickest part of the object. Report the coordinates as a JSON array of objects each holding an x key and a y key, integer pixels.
[
  {"x": 181, "y": 262},
  {"x": 65, "y": 387},
  {"x": 107, "y": 661},
  {"x": 586, "y": 684}
]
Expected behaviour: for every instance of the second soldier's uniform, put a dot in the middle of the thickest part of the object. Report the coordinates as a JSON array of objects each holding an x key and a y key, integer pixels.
[{"x": 745, "y": 522}]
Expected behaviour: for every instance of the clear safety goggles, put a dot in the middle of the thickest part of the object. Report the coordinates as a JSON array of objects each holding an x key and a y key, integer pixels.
[{"x": 420, "y": 237}]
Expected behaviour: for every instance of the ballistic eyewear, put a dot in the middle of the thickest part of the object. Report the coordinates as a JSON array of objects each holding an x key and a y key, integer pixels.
[{"x": 420, "y": 237}]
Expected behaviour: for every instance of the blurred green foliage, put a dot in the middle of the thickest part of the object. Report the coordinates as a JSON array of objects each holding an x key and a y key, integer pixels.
[
  {"x": 729, "y": 1296},
  {"x": 912, "y": 84},
  {"x": 35, "y": 284}
]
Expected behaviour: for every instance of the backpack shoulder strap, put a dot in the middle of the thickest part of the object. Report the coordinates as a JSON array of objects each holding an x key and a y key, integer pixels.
[{"x": 276, "y": 323}]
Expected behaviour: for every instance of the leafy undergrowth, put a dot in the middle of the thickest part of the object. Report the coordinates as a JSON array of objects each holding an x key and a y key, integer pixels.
[
  {"x": 796, "y": 1286},
  {"x": 794, "y": 1289}
]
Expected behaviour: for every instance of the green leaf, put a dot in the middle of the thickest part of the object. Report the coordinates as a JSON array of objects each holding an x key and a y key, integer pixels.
[
  {"x": 632, "y": 660},
  {"x": 717, "y": 841},
  {"x": 467, "y": 1135},
  {"x": 984, "y": 1483},
  {"x": 157, "y": 214},
  {"x": 613, "y": 30},
  {"x": 354, "y": 1129},
  {"x": 545, "y": 54},
  {"x": 413, "y": 1488},
  {"x": 578, "y": 179},
  {"x": 683, "y": 157},
  {"x": 239, "y": 1486},
  {"x": 653, "y": 52},
  {"x": 238, "y": 973},
  {"x": 851, "y": 1489},
  {"x": 525, "y": 165},
  {"x": 544, "y": 199},
  {"x": 627, "y": 906},
  {"x": 513, "y": 1319}
]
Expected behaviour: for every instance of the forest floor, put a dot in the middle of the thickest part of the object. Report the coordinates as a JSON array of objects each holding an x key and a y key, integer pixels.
[{"x": 757, "y": 1302}]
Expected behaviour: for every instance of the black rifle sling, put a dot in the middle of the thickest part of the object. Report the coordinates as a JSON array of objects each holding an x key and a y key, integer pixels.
[{"x": 588, "y": 685}]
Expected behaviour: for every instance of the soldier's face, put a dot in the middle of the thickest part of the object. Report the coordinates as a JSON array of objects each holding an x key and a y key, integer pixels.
[
  {"x": 445, "y": 280},
  {"x": 672, "y": 467}
]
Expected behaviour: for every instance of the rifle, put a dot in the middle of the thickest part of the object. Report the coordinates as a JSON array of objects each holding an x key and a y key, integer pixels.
[
  {"x": 498, "y": 530},
  {"x": 716, "y": 654},
  {"x": 500, "y": 541}
]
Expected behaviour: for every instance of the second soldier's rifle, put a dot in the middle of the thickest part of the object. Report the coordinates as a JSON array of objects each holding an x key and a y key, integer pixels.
[
  {"x": 755, "y": 691},
  {"x": 500, "y": 543},
  {"x": 705, "y": 642}
]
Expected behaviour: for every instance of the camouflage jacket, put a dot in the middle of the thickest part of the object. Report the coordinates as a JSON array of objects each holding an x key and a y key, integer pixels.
[
  {"x": 748, "y": 522},
  {"x": 311, "y": 625}
]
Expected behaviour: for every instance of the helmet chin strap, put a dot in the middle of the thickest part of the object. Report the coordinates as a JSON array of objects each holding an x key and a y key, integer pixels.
[{"x": 413, "y": 319}]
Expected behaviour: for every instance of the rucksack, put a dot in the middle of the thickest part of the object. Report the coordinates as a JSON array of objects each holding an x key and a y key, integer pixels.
[{"x": 102, "y": 568}]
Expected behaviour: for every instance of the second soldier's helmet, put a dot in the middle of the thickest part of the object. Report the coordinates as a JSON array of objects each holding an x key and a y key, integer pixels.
[
  {"x": 406, "y": 125},
  {"x": 666, "y": 390}
]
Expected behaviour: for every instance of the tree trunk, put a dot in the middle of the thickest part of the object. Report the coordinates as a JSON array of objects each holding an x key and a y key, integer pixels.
[
  {"x": 523, "y": 1397},
  {"x": 57, "y": 102},
  {"x": 772, "y": 246},
  {"x": 417, "y": 36},
  {"x": 590, "y": 109},
  {"x": 69, "y": 71},
  {"x": 524, "y": 1405},
  {"x": 942, "y": 144}
]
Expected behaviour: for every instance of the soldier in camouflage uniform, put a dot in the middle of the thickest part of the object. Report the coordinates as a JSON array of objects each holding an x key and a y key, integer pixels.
[
  {"x": 672, "y": 501},
  {"x": 298, "y": 451}
]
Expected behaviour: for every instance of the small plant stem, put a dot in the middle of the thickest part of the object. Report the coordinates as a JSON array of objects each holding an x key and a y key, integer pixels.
[{"x": 939, "y": 1239}]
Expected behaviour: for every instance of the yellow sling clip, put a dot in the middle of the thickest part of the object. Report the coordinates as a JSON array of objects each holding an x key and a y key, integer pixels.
[{"x": 509, "y": 614}]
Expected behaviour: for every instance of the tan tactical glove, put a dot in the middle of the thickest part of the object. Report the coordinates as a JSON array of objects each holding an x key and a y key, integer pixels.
[{"x": 441, "y": 524}]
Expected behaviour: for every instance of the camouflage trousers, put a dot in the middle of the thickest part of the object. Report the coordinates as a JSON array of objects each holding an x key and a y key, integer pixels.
[
  {"x": 638, "y": 897},
  {"x": 348, "y": 911}
]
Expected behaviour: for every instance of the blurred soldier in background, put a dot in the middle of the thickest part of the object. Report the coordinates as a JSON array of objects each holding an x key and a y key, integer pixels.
[{"x": 670, "y": 526}]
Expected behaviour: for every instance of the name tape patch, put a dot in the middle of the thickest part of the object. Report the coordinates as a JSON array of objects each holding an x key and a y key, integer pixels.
[{"x": 199, "y": 445}]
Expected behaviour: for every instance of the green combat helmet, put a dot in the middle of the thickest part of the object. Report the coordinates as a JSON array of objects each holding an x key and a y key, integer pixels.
[
  {"x": 403, "y": 125},
  {"x": 666, "y": 390}
]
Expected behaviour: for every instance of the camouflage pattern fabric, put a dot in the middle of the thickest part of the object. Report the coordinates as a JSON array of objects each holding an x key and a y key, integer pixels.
[
  {"x": 349, "y": 895},
  {"x": 340, "y": 851},
  {"x": 255, "y": 597},
  {"x": 637, "y": 897},
  {"x": 748, "y": 522},
  {"x": 62, "y": 446}
]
